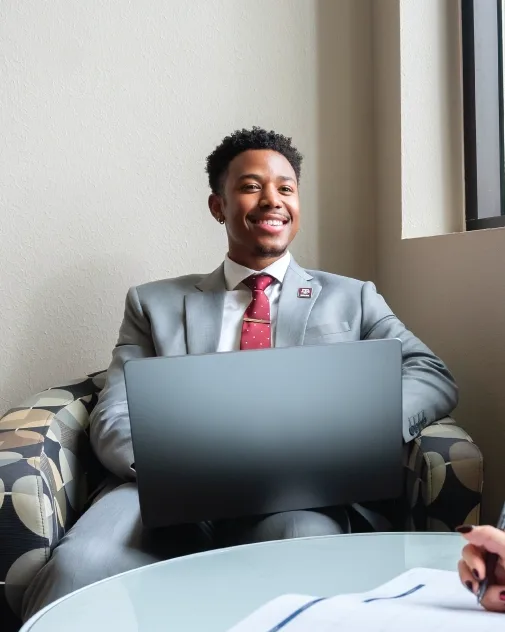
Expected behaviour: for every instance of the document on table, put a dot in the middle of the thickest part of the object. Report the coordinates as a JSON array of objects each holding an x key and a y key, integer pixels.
[{"x": 420, "y": 599}]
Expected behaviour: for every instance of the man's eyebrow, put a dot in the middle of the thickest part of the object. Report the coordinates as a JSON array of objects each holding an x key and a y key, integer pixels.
[
  {"x": 255, "y": 176},
  {"x": 251, "y": 176}
]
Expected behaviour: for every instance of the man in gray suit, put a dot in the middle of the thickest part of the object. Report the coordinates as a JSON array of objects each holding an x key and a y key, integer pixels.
[{"x": 258, "y": 296}]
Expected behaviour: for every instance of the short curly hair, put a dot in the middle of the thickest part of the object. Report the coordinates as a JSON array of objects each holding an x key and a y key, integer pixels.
[{"x": 243, "y": 140}]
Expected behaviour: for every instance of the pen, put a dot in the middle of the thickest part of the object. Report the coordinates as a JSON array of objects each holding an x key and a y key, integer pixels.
[{"x": 491, "y": 560}]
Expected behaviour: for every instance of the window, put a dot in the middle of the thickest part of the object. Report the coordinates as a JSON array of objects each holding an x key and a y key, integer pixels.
[{"x": 483, "y": 48}]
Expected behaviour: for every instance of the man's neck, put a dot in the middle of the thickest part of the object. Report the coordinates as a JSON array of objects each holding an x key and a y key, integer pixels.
[{"x": 254, "y": 262}]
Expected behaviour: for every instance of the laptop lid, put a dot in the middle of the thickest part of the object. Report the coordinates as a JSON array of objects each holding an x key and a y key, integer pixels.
[{"x": 249, "y": 433}]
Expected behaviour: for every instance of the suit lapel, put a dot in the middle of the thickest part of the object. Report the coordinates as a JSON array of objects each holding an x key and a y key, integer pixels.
[
  {"x": 204, "y": 313},
  {"x": 204, "y": 310},
  {"x": 294, "y": 311}
]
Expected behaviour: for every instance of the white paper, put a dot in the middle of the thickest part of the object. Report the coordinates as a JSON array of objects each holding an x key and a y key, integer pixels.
[{"x": 421, "y": 599}]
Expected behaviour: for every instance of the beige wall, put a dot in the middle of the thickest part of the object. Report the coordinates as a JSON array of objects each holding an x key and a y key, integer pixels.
[
  {"x": 450, "y": 289},
  {"x": 432, "y": 118},
  {"x": 108, "y": 110}
]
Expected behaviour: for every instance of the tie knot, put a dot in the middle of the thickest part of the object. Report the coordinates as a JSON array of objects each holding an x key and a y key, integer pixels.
[{"x": 258, "y": 282}]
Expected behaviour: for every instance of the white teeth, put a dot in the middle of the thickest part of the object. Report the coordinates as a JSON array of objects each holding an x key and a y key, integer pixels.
[{"x": 271, "y": 222}]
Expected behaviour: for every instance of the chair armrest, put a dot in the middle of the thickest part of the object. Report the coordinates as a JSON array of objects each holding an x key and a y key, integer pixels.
[
  {"x": 45, "y": 456},
  {"x": 444, "y": 478}
]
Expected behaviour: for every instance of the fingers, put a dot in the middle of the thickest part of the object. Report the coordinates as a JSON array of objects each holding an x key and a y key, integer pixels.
[
  {"x": 472, "y": 568},
  {"x": 489, "y": 538},
  {"x": 494, "y": 599},
  {"x": 467, "y": 579},
  {"x": 474, "y": 559}
]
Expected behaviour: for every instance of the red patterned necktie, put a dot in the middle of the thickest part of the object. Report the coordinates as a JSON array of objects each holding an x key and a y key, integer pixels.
[{"x": 256, "y": 332}]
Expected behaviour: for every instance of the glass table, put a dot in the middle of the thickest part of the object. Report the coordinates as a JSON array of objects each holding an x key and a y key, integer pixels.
[{"x": 212, "y": 591}]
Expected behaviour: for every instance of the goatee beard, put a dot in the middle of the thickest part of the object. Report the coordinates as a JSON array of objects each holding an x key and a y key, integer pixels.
[{"x": 262, "y": 251}]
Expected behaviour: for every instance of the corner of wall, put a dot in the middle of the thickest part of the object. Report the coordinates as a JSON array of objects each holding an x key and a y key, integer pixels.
[{"x": 387, "y": 116}]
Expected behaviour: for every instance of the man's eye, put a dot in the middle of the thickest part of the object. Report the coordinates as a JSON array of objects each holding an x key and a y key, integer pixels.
[
  {"x": 250, "y": 187},
  {"x": 286, "y": 189}
]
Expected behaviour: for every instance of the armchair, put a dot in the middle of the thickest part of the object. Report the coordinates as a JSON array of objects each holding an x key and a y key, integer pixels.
[{"x": 48, "y": 474}]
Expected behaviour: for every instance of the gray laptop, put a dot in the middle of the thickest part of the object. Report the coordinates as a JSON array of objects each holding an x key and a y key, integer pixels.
[{"x": 225, "y": 435}]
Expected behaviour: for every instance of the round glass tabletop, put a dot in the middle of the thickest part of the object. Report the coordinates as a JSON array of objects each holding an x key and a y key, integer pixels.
[{"x": 214, "y": 590}]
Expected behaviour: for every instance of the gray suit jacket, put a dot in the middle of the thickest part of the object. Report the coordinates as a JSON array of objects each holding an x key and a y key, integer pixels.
[{"x": 183, "y": 315}]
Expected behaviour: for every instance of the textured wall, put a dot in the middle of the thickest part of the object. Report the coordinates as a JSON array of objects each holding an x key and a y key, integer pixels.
[
  {"x": 108, "y": 109},
  {"x": 432, "y": 118}
]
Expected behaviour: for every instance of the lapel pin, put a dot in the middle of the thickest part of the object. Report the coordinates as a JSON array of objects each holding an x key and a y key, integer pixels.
[{"x": 304, "y": 292}]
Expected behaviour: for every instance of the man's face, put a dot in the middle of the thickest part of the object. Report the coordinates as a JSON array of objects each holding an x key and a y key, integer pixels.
[{"x": 260, "y": 206}]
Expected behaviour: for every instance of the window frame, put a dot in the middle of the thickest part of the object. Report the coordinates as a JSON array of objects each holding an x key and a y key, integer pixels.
[{"x": 482, "y": 53}]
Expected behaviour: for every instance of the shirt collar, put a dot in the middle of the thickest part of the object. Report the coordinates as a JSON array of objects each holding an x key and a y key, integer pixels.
[{"x": 234, "y": 273}]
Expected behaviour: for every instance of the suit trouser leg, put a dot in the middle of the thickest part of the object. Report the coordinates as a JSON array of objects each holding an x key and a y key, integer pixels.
[
  {"x": 282, "y": 526},
  {"x": 108, "y": 539}
]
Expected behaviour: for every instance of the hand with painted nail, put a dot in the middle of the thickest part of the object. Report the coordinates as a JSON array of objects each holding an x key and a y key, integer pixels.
[{"x": 483, "y": 541}]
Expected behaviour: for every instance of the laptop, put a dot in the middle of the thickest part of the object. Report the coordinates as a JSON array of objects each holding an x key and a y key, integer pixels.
[{"x": 234, "y": 434}]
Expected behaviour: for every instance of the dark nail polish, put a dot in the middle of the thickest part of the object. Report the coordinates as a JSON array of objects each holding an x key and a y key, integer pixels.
[
  {"x": 469, "y": 585},
  {"x": 502, "y": 595},
  {"x": 475, "y": 574},
  {"x": 464, "y": 528}
]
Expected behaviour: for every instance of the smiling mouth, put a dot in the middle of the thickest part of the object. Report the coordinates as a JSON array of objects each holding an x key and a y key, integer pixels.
[
  {"x": 268, "y": 222},
  {"x": 268, "y": 226}
]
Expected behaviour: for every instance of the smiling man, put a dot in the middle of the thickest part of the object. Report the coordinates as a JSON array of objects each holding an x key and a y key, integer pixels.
[{"x": 258, "y": 297}]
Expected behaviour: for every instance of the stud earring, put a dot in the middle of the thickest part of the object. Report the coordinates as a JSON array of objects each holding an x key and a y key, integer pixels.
[{"x": 221, "y": 220}]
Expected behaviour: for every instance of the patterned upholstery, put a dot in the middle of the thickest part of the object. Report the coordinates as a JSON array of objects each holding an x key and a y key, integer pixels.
[
  {"x": 444, "y": 479},
  {"x": 47, "y": 473},
  {"x": 46, "y": 468}
]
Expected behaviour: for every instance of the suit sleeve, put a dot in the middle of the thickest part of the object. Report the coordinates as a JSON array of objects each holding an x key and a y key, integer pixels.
[
  {"x": 429, "y": 389},
  {"x": 110, "y": 423}
]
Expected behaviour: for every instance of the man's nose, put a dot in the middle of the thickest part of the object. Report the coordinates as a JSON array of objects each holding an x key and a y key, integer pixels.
[{"x": 270, "y": 198}]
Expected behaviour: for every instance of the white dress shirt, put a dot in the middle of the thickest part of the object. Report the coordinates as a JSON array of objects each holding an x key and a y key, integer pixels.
[{"x": 238, "y": 296}]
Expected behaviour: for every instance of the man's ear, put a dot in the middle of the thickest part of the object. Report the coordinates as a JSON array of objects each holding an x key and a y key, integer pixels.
[{"x": 216, "y": 207}]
